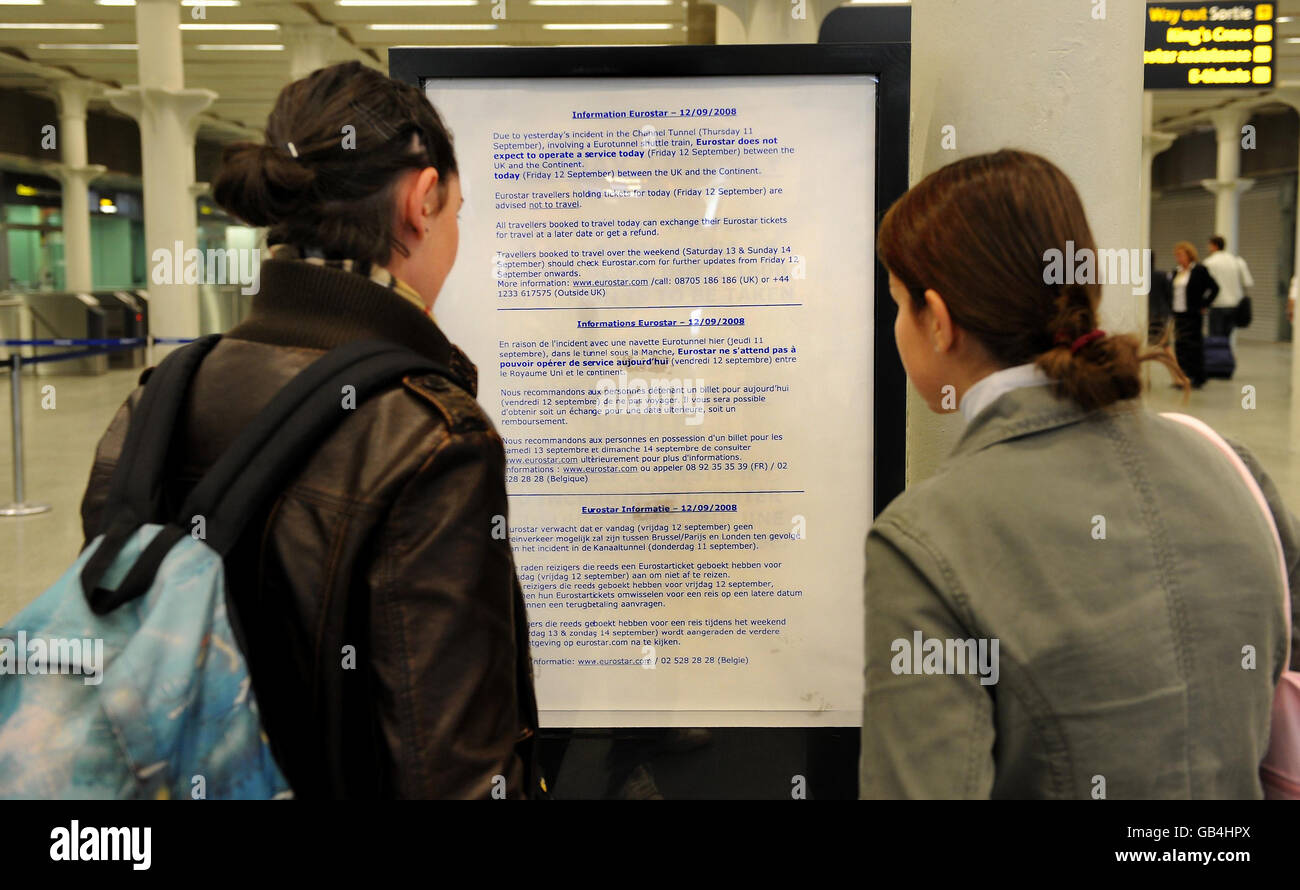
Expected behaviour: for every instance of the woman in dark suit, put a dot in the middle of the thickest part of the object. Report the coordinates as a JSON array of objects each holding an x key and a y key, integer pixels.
[{"x": 1194, "y": 289}]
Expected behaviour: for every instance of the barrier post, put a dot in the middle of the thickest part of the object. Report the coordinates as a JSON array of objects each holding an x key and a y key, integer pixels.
[{"x": 18, "y": 507}]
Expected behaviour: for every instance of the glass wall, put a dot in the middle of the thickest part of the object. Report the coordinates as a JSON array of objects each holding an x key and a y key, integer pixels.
[{"x": 31, "y": 251}]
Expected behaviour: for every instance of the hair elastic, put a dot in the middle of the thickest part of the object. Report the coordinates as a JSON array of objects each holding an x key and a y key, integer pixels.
[{"x": 1084, "y": 340}]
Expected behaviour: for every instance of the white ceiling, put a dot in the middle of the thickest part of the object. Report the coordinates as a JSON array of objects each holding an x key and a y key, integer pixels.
[{"x": 247, "y": 82}]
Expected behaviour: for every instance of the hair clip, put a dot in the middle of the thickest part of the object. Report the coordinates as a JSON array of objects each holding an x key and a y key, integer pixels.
[
  {"x": 293, "y": 151},
  {"x": 374, "y": 120}
]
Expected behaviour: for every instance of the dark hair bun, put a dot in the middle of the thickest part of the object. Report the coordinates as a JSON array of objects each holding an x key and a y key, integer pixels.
[{"x": 262, "y": 184}]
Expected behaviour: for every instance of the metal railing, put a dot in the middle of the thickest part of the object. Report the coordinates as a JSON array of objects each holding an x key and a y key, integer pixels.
[{"x": 15, "y": 362}]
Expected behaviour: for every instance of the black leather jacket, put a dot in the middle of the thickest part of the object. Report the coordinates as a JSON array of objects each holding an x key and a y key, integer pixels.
[{"x": 393, "y": 527}]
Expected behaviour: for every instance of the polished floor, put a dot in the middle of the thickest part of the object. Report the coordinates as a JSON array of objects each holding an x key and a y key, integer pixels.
[{"x": 34, "y": 550}]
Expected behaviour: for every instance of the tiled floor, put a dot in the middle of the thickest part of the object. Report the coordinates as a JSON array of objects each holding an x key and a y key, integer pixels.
[
  {"x": 59, "y": 445},
  {"x": 1266, "y": 429},
  {"x": 34, "y": 550}
]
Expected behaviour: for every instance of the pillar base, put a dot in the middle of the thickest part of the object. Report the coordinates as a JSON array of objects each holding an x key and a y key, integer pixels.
[{"x": 24, "y": 509}]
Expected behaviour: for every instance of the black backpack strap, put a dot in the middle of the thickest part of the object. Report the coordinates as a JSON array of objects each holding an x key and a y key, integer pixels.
[
  {"x": 137, "y": 482},
  {"x": 269, "y": 450},
  {"x": 135, "y": 492},
  {"x": 273, "y": 447}
]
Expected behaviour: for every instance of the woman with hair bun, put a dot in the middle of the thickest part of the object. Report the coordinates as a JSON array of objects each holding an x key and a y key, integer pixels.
[
  {"x": 392, "y": 536},
  {"x": 1085, "y": 600}
]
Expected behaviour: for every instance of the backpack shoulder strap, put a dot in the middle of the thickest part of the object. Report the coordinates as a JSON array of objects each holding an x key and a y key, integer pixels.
[
  {"x": 275, "y": 443},
  {"x": 137, "y": 480},
  {"x": 264, "y": 454},
  {"x": 135, "y": 490},
  {"x": 1257, "y": 493}
]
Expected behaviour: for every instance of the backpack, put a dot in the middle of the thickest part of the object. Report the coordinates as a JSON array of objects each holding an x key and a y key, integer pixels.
[
  {"x": 125, "y": 679},
  {"x": 1279, "y": 772}
]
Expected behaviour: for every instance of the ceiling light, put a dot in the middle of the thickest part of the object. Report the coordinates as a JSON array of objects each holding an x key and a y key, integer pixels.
[
  {"x": 609, "y": 26},
  {"x": 185, "y": 27},
  {"x": 432, "y": 27},
  {"x": 406, "y": 2},
  {"x": 52, "y": 26},
  {"x": 241, "y": 47},
  {"x": 82, "y": 47}
]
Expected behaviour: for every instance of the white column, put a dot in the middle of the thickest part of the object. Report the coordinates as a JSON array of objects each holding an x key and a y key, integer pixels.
[
  {"x": 1028, "y": 82},
  {"x": 1227, "y": 185},
  {"x": 76, "y": 175},
  {"x": 168, "y": 115},
  {"x": 771, "y": 21},
  {"x": 1153, "y": 143},
  {"x": 1290, "y": 94},
  {"x": 309, "y": 47},
  {"x": 727, "y": 26}
]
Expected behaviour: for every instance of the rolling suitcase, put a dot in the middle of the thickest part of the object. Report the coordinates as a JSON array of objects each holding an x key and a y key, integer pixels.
[{"x": 1219, "y": 361}]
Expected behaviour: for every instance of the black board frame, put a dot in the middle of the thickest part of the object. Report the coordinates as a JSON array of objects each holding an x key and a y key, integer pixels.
[{"x": 746, "y": 762}]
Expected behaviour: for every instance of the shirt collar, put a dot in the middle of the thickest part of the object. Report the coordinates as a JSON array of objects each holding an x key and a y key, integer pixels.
[
  {"x": 986, "y": 391},
  {"x": 321, "y": 306},
  {"x": 376, "y": 273}
]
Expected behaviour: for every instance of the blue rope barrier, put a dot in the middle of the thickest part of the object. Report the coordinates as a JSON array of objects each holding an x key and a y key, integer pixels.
[
  {"x": 112, "y": 341},
  {"x": 61, "y": 341},
  {"x": 62, "y": 356},
  {"x": 99, "y": 346}
]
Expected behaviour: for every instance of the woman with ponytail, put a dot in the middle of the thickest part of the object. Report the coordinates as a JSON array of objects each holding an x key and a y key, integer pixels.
[{"x": 1084, "y": 601}]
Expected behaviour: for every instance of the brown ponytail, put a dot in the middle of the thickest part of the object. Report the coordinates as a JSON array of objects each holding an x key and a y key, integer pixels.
[{"x": 978, "y": 231}]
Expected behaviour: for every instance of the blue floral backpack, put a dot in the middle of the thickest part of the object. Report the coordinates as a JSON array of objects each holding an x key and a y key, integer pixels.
[{"x": 126, "y": 679}]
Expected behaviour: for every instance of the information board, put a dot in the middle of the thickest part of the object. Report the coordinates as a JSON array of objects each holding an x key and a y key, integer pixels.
[{"x": 669, "y": 286}]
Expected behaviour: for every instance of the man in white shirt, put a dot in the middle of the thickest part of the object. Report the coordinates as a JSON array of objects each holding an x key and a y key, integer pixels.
[{"x": 1233, "y": 276}]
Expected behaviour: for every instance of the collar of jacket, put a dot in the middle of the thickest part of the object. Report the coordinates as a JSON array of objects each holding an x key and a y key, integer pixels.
[
  {"x": 1024, "y": 412},
  {"x": 318, "y": 307}
]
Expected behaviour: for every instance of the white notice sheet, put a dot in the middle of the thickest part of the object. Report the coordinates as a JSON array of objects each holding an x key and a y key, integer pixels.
[{"x": 668, "y": 288}]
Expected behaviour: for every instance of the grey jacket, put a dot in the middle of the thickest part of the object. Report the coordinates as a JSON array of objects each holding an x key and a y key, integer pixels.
[{"x": 1123, "y": 668}]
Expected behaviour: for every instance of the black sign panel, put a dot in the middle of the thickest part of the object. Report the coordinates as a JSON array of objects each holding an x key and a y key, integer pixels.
[{"x": 1210, "y": 46}]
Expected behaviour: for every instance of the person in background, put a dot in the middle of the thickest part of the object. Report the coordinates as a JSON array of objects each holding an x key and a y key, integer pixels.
[
  {"x": 1233, "y": 277},
  {"x": 1160, "y": 309},
  {"x": 1194, "y": 290},
  {"x": 1089, "y": 571},
  {"x": 393, "y": 527}
]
